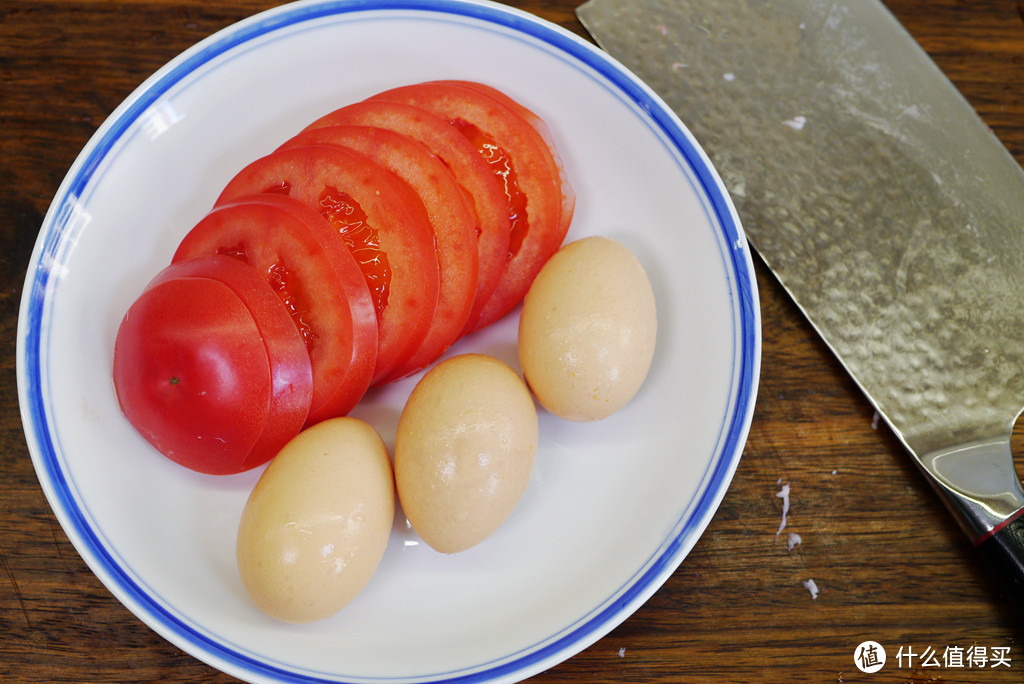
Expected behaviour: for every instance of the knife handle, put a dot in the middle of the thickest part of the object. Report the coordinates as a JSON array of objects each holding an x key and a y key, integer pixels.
[{"x": 1003, "y": 551}]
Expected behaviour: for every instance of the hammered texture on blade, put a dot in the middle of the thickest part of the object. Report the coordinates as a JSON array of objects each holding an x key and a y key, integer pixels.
[{"x": 866, "y": 182}]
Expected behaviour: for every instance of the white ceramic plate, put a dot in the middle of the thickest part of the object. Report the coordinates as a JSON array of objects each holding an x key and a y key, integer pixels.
[{"x": 613, "y": 507}]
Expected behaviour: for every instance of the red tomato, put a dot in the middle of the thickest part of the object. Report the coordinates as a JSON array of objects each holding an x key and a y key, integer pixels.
[
  {"x": 309, "y": 266},
  {"x": 291, "y": 371},
  {"x": 480, "y": 186},
  {"x": 454, "y": 232},
  {"x": 383, "y": 222},
  {"x": 521, "y": 158},
  {"x": 209, "y": 368}
]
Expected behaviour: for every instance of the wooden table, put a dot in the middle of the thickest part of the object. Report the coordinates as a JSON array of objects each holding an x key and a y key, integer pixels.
[{"x": 889, "y": 563}]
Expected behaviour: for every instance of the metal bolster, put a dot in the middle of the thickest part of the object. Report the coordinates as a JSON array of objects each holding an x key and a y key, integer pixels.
[{"x": 978, "y": 482}]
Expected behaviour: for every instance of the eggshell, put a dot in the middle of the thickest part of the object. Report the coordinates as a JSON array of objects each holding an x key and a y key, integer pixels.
[
  {"x": 315, "y": 526},
  {"x": 587, "y": 330},
  {"x": 464, "y": 451}
]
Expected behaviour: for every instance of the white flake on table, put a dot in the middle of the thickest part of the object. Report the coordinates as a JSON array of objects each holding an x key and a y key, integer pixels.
[
  {"x": 784, "y": 495},
  {"x": 811, "y": 586},
  {"x": 796, "y": 123}
]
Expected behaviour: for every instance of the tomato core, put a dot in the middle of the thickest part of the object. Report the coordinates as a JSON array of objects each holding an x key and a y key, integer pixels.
[
  {"x": 350, "y": 220},
  {"x": 501, "y": 164}
]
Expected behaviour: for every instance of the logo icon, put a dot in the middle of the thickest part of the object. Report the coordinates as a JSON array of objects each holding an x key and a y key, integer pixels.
[{"x": 869, "y": 656}]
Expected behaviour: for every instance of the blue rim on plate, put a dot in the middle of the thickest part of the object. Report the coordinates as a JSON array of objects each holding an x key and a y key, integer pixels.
[{"x": 59, "y": 227}]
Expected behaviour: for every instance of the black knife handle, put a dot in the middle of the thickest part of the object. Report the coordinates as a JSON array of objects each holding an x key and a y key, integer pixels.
[{"x": 1003, "y": 551}]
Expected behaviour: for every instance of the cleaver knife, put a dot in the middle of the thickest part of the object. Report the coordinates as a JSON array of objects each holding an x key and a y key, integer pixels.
[{"x": 885, "y": 207}]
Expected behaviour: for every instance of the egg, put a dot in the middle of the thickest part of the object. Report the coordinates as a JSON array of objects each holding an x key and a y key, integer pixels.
[
  {"x": 464, "y": 450},
  {"x": 314, "y": 528},
  {"x": 587, "y": 330}
]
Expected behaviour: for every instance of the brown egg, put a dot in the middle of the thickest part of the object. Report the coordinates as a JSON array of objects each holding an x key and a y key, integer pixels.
[
  {"x": 315, "y": 527},
  {"x": 587, "y": 330},
  {"x": 464, "y": 451}
]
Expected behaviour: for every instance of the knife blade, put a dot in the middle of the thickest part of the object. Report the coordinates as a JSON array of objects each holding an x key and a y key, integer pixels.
[{"x": 889, "y": 212}]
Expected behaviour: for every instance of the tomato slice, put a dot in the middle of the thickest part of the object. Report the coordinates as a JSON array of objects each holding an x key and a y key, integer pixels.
[
  {"x": 454, "y": 231},
  {"x": 521, "y": 158},
  {"x": 309, "y": 266},
  {"x": 291, "y": 371},
  {"x": 192, "y": 375},
  {"x": 480, "y": 186},
  {"x": 383, "y": 223},
  {"x": 209, "y": 368},
  {"x": 541, "y": 126}
]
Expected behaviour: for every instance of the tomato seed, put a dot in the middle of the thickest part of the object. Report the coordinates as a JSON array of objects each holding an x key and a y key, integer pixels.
[
  {"x": 501, "y": 164},
  {"x": 345, "y": 214}
]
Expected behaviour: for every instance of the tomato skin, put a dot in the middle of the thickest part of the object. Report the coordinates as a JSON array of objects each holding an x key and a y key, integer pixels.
[
  {"x": 534, "y": 169},
  {"x": 186, "y": 352},
  {"x": 297, "y": 251},
  {"x": 480, "y": 187},
  {"x": 394, "y": 212},
  {"x": 288, "y": 363},
  {"x": 454, "y": 233}
]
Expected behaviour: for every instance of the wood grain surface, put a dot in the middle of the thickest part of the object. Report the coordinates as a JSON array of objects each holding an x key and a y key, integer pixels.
[{"x": 889, "y": 563}]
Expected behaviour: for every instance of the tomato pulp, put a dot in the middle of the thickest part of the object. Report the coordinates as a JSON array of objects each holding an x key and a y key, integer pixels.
[
  {"x": 479, "y": 185},
  {"x": 520, "y": 153},
  {"x": 384, "y": 222},
  {"x": 450, "y": 218},
  {"x": 539, "y": 125}
]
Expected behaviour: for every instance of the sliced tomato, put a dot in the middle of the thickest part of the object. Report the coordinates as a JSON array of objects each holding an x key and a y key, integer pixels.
[
  {"x": 383, "y": 223},
  {"x": 521, "y": 158},
  {"x": 541, "y": 126},
  {"x": 209, "y": 368},
  {"x": 313, "y": 272},
  {"x": 291, "y": 371},
  {"x": 480, "y": 186},
  {"x": 454, "y": 231},
  {"x": 192, "y": 375}
]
